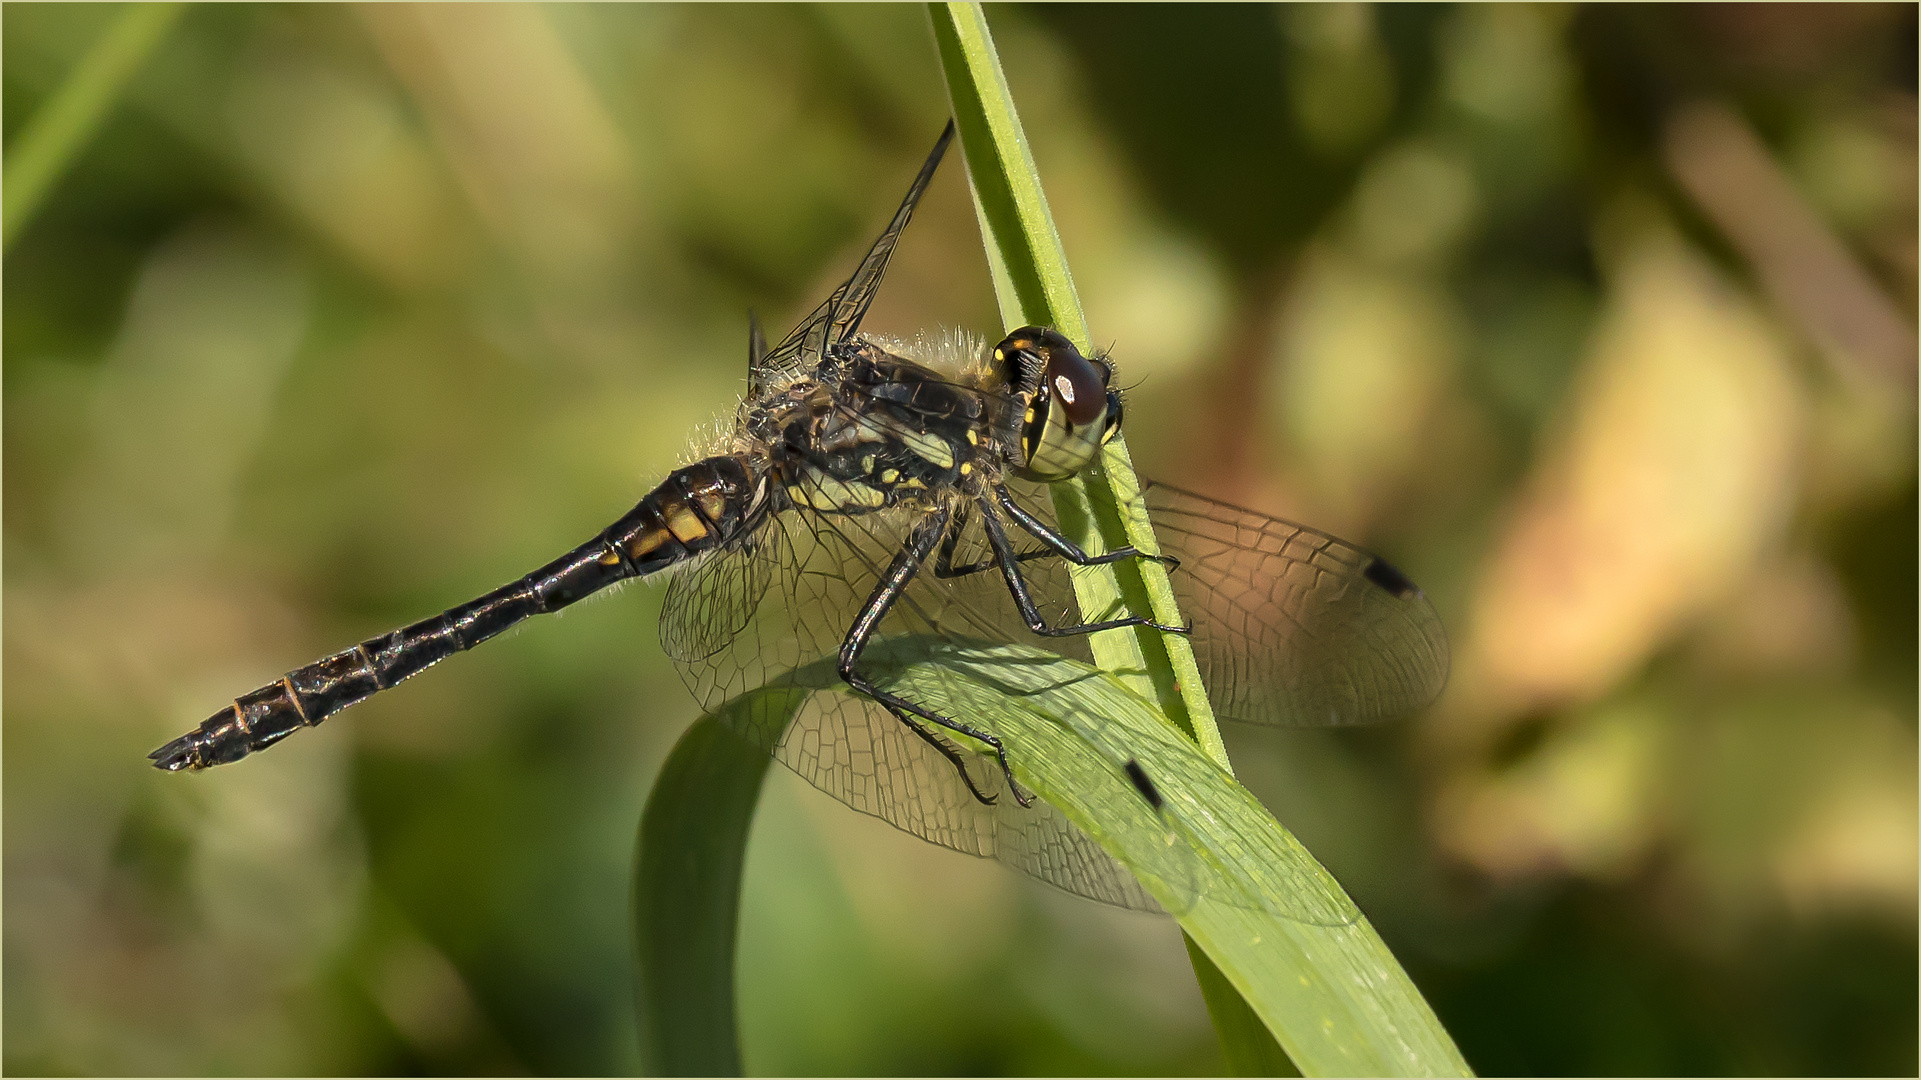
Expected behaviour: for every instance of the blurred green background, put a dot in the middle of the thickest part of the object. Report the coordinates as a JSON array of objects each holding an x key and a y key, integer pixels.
[{"x": 1598, "y": 321}]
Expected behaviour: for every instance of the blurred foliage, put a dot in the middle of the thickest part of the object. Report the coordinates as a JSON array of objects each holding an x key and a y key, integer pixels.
[{"x": 348, "y": 314}]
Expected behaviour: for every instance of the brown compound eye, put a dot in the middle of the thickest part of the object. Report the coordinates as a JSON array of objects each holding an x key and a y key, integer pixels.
[
  {"x": 1037, "y": 359},
  {"x": 1072, "y": 379},
  {"x": 1078, "y": 387}
]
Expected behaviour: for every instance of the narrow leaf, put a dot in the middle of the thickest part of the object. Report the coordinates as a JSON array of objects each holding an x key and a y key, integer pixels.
[
  {"x": 1332, "y": 995},
  {"x": 1101, "y": 510},
  {"x": 1245, "y": 1042},
  {"x": 686, "y": 893},
  {"x": 1285, "y": 936}
]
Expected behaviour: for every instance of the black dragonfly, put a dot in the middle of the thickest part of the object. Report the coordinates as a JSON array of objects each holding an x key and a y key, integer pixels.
[{"x": 855, "y": 459}]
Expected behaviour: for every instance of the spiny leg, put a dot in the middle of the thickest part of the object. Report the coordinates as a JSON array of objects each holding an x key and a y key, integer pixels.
[
  {"x": 944, "y": 562},
  {"x": 1064, "y": 547},
  {"x": 946, "y": 749},
  {"x": 1024, "y": 600},
  {"x": 889, "y": 589}
]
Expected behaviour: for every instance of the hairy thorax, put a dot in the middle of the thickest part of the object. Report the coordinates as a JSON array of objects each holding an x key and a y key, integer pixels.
[{"x": 873, "y": 429}]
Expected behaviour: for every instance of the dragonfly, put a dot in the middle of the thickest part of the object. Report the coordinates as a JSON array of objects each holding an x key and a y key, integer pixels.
[{"x": 802, "y": 543}]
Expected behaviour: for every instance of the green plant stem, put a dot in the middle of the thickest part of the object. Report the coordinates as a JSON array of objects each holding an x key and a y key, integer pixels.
[
  {"x": 1101, "y": 510},
  {"x": 65, "y": 123},
  {"x": 1034, "y": 285}
]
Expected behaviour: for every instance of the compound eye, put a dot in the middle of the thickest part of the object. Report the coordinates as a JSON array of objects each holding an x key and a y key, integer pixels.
[{"x": 1075, "y": 382}]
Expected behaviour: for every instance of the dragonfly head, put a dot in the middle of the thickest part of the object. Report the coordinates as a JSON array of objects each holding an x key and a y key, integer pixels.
[{"x": 1069, "y": 411}]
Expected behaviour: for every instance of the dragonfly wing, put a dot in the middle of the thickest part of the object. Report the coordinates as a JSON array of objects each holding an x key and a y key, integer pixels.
[
  {"x": 817, "y": 571},
  {"x": 856, "y": 751},
  {"x": 1293, "y": 626},
  {"x": 837, "y": 320},
  {"x": 709, "y": 603}
]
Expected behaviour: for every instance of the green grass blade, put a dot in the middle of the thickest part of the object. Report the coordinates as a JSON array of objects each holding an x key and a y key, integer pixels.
[
  {"x": 1245, "y": 1042},
  {"x": 1285, "y": 936},
  {"x": 1333, "y": 996},
  {"x": 64, "y": 125},
  {"x": 686, "y": 894},
  {"x": 1100, "y": 511}
]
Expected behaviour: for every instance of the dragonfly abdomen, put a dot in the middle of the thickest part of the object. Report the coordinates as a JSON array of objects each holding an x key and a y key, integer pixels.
[{"x": 697, "y": 508}]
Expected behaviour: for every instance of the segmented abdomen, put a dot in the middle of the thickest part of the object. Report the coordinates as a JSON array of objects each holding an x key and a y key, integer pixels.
[{"x": 695, "y": 509}]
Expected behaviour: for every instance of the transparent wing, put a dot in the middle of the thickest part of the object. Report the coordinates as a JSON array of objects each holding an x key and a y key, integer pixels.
[
  {"x": 815, "y": 572},
  {"x": 710, "y": 603},
  {"x": 821, "y": 568},
  {"x": 1293, "y": 626},
  {"x": 836, "y": 320}
]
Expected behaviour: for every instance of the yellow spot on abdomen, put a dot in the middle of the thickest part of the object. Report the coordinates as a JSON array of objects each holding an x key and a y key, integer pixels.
[
  {"x": 647, "y": 543},
  {"x": 685, "y": 526}
]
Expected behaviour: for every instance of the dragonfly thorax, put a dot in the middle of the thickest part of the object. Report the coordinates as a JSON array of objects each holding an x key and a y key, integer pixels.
[{"x": 875, "y": 430}]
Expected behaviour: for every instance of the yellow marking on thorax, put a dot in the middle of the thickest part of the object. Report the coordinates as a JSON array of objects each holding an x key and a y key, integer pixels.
[
  {"x": 927, "y": 447},
  {"x": 827, "y": 493}
]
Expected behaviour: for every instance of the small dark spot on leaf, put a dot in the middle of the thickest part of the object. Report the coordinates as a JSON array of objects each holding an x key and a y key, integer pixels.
[{"x": 1138, "y": 776}]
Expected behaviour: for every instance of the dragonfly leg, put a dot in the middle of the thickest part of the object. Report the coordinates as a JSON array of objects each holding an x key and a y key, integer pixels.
[
  {"x": 944, "y": 562},
  {"x": 1023, "y": 599},
  {"x": 891, "y": 585},
  {"x": 1064, "y": 547},
  {"x": 947, "y": 750}
]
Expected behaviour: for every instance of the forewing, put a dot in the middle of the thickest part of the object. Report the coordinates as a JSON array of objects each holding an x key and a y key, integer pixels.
[
  {"x": 818, "y": 570},
  {"x": 1293, "y": 626},
  {"x": 836, "y": 320}
]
